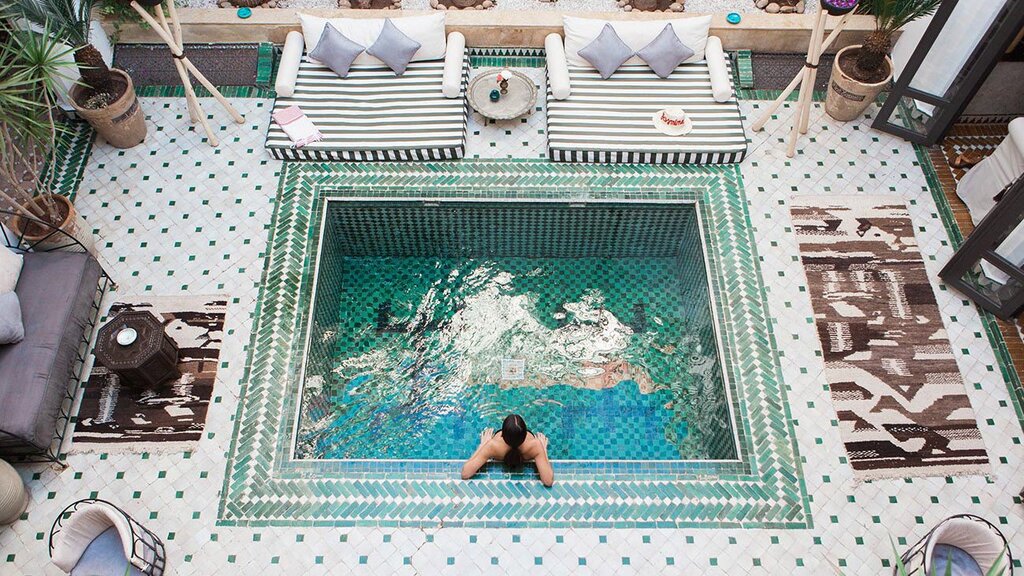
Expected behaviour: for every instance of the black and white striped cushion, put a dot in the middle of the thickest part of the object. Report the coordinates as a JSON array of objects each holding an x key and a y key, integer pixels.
[
  {"x": 610, "y": 121},
  {"x": 373, "y": 115}
]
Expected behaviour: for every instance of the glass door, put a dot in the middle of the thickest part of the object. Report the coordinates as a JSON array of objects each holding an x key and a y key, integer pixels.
[
  {"x": 989, "y": 267},
  {"x": 958, "y": 50}
]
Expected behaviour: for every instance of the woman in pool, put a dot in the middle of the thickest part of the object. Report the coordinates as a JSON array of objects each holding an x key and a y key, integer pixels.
[{"x": 514, "y": 445}]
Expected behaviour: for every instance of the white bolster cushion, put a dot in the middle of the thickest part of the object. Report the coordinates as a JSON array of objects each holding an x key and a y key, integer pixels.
[
  {"x": 721, "y": 85},
  {"x": 558, "y": 67},
  {"x": 451, "y": 85},
  {"x": 288, "y": 68}
]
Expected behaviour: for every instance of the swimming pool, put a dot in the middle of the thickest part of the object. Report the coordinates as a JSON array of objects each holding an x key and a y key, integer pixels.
[{"x": 433, "y": 320}]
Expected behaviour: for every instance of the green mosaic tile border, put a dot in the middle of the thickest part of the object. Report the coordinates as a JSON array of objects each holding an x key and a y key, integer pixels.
[
  {"x": 988, "y": 321},
  {"x": 743, "y": 80},
  {"x": 262, "y": 487},
  {"x": 178, "y": 91},
  {"x": 506, "y": 57},
  {"x": 74, "y": 144},
  {"x": 744, "y": 70},
  {"x": 266, "y": 65}
]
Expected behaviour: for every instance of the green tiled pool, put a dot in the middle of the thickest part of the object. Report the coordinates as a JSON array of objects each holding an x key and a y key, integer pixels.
[
  {"x": 298, "y": 414},
  {"x": 432, "y": 321}
]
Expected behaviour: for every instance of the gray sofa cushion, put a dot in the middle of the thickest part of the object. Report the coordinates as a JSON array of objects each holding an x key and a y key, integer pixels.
[{"x": 56, "y": 290}]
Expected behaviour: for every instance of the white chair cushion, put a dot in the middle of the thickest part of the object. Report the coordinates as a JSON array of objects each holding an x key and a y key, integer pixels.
[
  {"x": 427, "y": 30},
  {"x": 579, "y": 32},
  {"x": 982, "y": 183},
  {"x": 82, "y": 527},
  {"x": 10, "y": 269},
  {"x": 104, "y": 555}
]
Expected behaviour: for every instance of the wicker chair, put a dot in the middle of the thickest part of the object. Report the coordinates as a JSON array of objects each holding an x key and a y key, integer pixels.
[{"x": 95, "y": 537}]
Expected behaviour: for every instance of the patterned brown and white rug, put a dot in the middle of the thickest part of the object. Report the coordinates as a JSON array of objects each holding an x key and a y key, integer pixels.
[
  {"x": 895, "y": 385},
  {"x": 171, "y": 418}
]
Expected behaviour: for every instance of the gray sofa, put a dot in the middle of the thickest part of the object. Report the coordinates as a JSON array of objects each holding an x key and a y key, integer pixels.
[{"x": 58, "y": 294}]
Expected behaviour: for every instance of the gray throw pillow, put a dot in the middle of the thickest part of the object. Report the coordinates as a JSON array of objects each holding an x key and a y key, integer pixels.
[
  {"x": 335, "y": 50},
  {"x": 394, "y": 48},
  {"x": 11, "y": 328},
  {"x": 607, "y": 52},
  {"x": 665, "y": 52}
]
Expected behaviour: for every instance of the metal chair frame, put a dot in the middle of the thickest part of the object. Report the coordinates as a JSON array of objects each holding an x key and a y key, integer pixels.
[
  {"x": 140, "y": 544},
  {"x": 918, "y": 552},
  {"x": 26, "y": 452}
]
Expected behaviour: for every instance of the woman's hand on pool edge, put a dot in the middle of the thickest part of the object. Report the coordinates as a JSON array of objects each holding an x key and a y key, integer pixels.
[
  {"x": 480, "y": 455},
  {"x": 486, "y": 435},
  {"x": 544, "y": 468}
]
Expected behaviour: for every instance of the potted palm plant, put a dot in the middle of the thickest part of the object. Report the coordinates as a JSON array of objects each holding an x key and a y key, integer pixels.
[
  {"x": 31, "y": 68},
  {"x": 106, "y": 96},
  {"x": 861, "y": 72}
]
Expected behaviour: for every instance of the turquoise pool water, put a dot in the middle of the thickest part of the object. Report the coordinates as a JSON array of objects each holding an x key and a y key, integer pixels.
[{"x": 433, "y": 322}]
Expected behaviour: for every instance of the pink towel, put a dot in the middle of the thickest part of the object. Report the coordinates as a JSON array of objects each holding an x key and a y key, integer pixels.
[{"x": 297, "y": 126}]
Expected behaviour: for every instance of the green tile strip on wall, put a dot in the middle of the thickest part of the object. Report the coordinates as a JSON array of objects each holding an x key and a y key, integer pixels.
[
  {"x": 263, "y": 487},
  {"x": 506, "y": 61},
  {"x": 995, "y": 336},
  {"x": 178, "y": 91},
  {"x": 752, "y": 94},
  {"x": 506, "y": 57},
  {"x": 744, "y": 69},
  {"x": 265, "y": 65}
]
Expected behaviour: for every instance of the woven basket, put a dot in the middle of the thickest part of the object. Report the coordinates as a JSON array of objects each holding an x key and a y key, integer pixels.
[{"x": 13, "y": 496}]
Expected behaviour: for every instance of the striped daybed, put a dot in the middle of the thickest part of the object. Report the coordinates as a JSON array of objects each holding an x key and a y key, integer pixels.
[
  {"x": 374, "y": 115},
  {"x": 610, "y": 121}
]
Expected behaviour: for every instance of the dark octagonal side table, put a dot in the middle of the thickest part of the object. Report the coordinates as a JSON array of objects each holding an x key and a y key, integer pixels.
[{"x": 149, "y": 361}]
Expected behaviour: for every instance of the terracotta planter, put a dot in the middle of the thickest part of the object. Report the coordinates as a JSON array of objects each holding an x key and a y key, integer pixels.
[
  {"x": 848, "y": 98},
  {"x": 40, "y": 239},
  {"x": 13, "y": 495},
  {"x": 122, "y": 123}
]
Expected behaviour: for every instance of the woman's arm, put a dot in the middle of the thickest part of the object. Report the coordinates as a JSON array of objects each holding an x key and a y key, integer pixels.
[
  {"x": 544, "y": 469},
  {"x": 480, "y": 457}
]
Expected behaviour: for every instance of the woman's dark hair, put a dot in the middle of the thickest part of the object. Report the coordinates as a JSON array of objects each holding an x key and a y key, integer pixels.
[{"x": 513, "y": 432}]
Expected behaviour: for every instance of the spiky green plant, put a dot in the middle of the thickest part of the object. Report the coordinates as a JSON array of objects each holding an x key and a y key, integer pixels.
[
  {"x": 69, "y": 21},
  {"x": 890, "y": 16},
  {"x": 32, "y": 66}
]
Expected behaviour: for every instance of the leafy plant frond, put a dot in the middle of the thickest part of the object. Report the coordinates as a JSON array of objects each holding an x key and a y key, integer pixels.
[
  {"x": 891, "y": 15},
  {"x": 65, "y": 19},
  {"x": 901, "y": 568},
  {"x": 32, "y": 66},
  {"x": 998, "y": 567}
]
